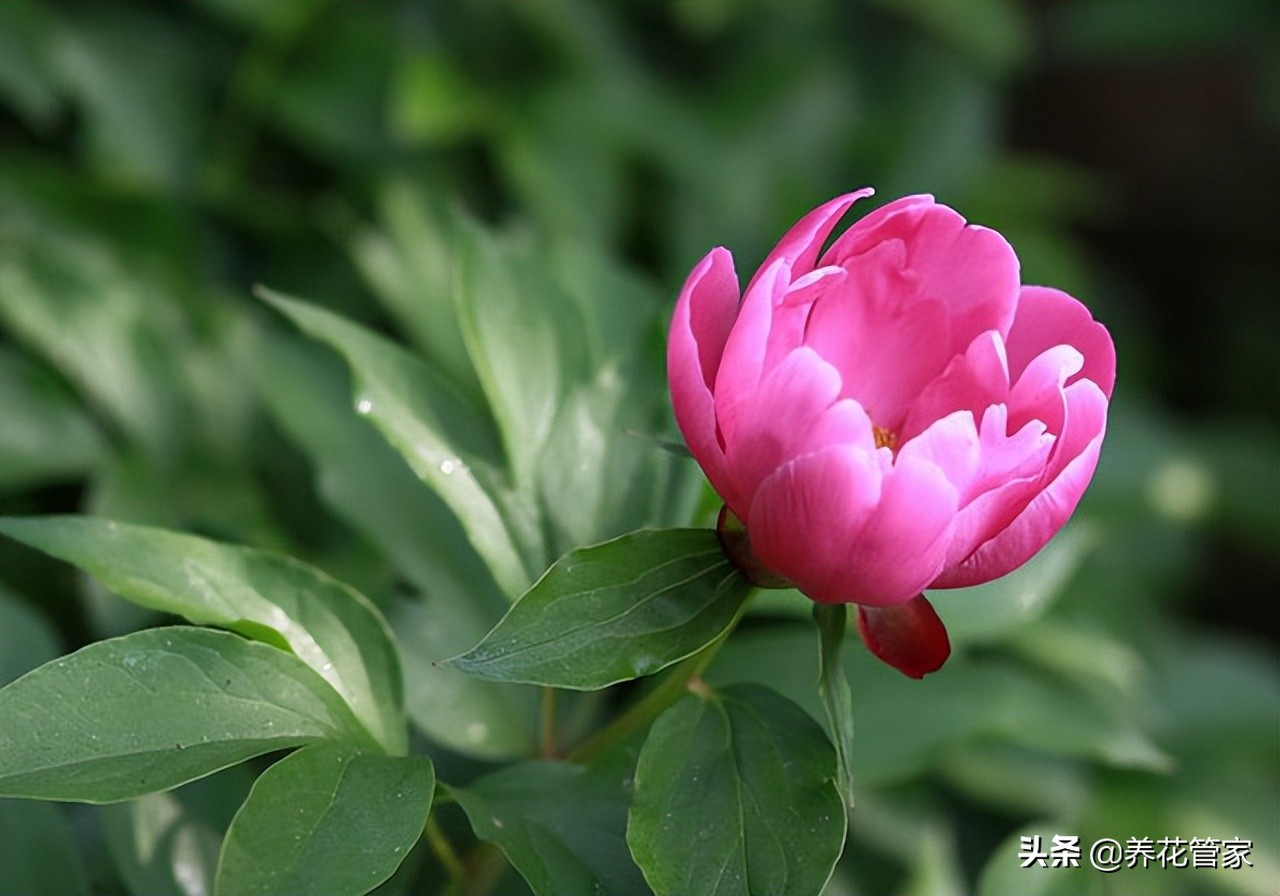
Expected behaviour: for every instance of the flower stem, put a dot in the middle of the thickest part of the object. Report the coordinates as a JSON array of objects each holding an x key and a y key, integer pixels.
[
  {"x": 683, "y": 677},
  {"x": 444, "y": 851}
]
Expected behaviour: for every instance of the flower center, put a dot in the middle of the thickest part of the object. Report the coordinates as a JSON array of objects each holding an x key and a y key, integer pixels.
[{"x": 885, "y": 438}]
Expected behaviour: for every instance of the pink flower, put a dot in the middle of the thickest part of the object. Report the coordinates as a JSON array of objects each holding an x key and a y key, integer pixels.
[{"x": 892, "y": 414}]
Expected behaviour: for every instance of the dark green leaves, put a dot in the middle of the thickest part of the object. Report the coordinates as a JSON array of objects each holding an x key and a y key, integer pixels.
[
  {"x": 269, "y": 597},
  {"x": 561, "y": 825},
  {"x": 327, "y": 821},
  {"x": 735, "y": 793},
  {"x": 613, "y": 612},
  {"x": 447, "y": 443},
  {"x": 155, "y": 709}
]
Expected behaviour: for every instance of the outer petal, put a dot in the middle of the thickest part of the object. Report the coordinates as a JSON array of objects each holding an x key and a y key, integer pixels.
[
  {"x": 903, "y": 545},
  {"x": 910, "y": 637},
  {"x": 789, "y": 402},
  {"x": 704, "y": 315},
  {"x": 1048, "y": 317},
  {"x": 971, "y": 269},
  {"x": 1076, "y": 457},
  {"x": 800, "y": 246},
  {"x": 805, "y": 516},
  {"x": 742, "y": 364}
]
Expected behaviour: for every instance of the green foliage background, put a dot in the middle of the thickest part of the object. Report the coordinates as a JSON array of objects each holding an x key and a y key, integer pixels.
[{"x": 158, "y": 160}]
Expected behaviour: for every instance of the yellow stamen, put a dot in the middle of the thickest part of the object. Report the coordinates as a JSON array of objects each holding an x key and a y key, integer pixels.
[{"x": 885, "y": 438}]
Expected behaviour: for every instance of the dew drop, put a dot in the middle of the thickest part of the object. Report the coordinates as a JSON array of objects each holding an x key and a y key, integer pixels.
[{"x": 364, "y": 406}]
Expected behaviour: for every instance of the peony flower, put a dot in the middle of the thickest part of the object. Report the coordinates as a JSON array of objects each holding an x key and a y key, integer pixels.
[{"x": 892, "y": 414}]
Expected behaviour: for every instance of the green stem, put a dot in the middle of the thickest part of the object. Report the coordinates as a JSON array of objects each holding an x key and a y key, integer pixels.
[
  {"x": 444, "y": 851},
  {"x": 685, "y": 676},
  {"x": 831, "y": 621}
]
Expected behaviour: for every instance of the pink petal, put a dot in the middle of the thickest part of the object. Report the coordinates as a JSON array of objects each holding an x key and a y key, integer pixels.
[
  {"x": 1048, "y": 317},
  {"x": 903, "y": 545},
  {"x": 700, "y": 326},
  {"x": 973, "y": 381},
  {"x": 805, "y": 515},
  {"x": 742, "y": 363},
  {"x": 886, "y": 341},
  {"x": 1038, "y": 392},
  {"x": 844, "y": 423},
  {"x": 789, "y": 401},
  {"x": 952, "y": 445},
  {"x": 972, "y": 270},
  {"x": 800, "y": 246},
  {"x": 791, "y": 314},
  {"x": 910, "y": 636},
  {"x": 711, "y": 296},
  {"x": 1077, "y": 457},
  {"x": 1008, "y": 476}
]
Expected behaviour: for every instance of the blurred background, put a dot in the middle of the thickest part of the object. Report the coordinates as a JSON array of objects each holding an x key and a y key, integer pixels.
[{"x": 159, "y": 159}]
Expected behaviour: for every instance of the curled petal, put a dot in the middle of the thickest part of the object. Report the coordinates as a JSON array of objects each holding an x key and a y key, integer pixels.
[
  {"x": 1048, "y": 317},
  {"x": 909, "y": 636},
  {"x": 800, "y": 247},
  {"x": 703, "y": 317},
  {"x": 1075, "y": 459}
]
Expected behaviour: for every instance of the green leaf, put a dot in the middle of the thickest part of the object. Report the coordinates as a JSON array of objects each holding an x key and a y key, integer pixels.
[
  {"x": 614, "y": 612},
  {"x": 269, "y": 597},
  {"x": 364, "y": 480},
  {"x": 38, "y": 851},
  {"x": 832, "y": 621},
  {"x": 326, "y": 820},
  {"x": 446, "y": 443},
  {"x": 520, "y": 343},
  {"x": 563, "y": 826},
  {"x": 409, "y": 263},
  {"x": 156, "y": 709},
  {"x": 735, "y": 793}
]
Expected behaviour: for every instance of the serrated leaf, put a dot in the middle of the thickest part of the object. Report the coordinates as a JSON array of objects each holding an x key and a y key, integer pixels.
[
  {"x": 614, "y": 612},
  {"x": 156, "y": 709},
  {"x": 328, "y": 821},
  {"x": 735, "y": 793},
  {"x": 561, "y": 825},
  {"x": 445, "y": 441},
  {"x": 270, "y": 597}
]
